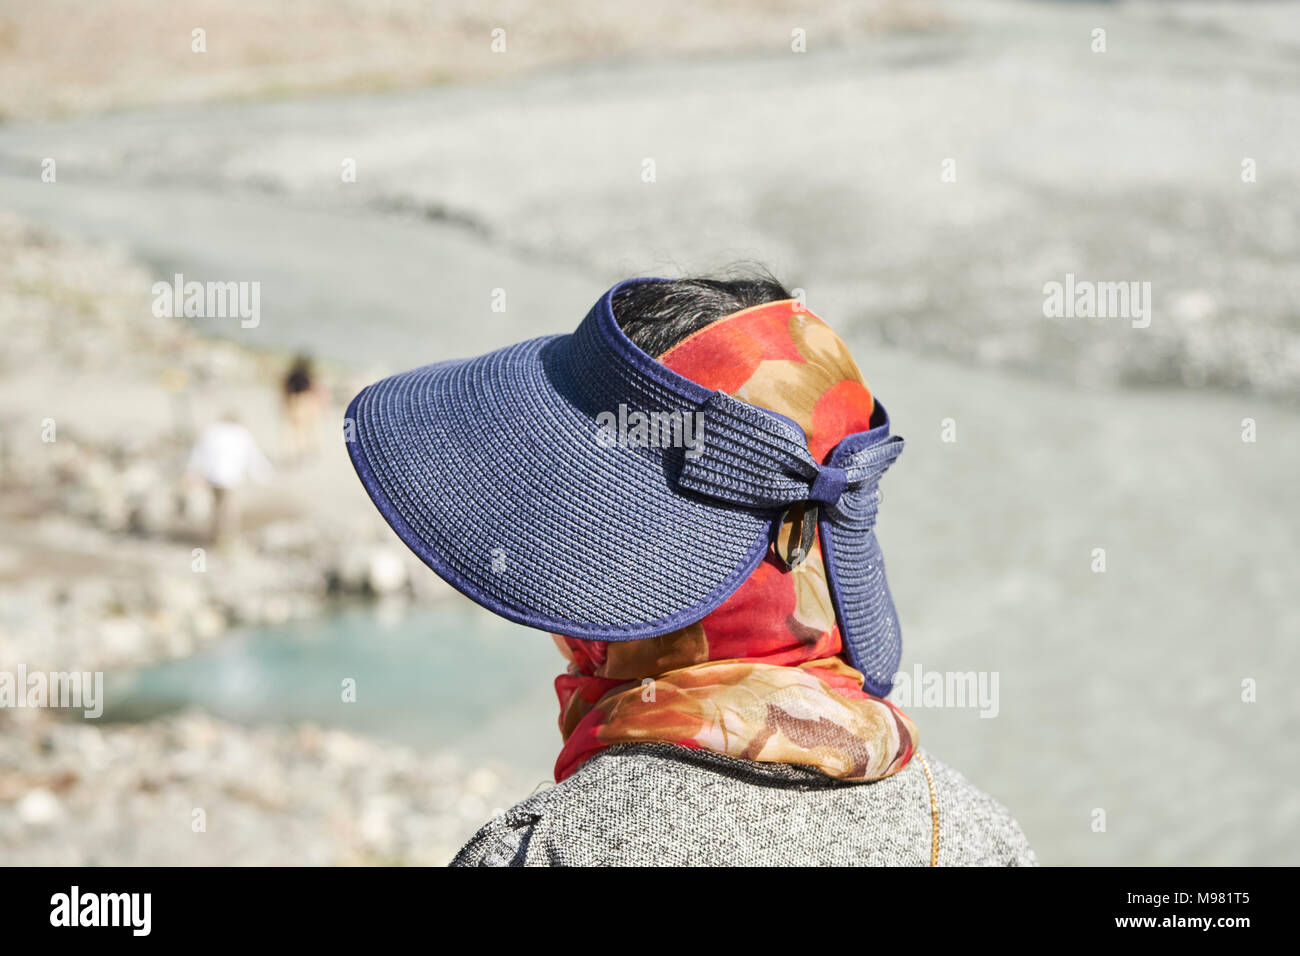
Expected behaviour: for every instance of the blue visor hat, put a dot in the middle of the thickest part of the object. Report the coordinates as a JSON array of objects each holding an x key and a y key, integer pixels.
[{"x": 499, "y": 473}]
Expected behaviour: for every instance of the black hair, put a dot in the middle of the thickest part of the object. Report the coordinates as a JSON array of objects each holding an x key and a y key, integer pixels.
[
  {"x": 658, "y": 315},
  {"x": 299, "y": 378}
]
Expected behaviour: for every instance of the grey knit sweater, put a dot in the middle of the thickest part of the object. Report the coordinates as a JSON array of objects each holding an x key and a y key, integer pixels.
[{"x": 664, "y": 805}]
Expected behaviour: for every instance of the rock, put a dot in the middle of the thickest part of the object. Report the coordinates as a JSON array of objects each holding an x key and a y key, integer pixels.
[
  {"x": 140, "y": 478},
  {"x": 385, "y": 571},
  {"x": 351, "y": 569},
  {"x": 482, "y": 782},
  {"x": 276, "y": 610},
  {"x": 151, "y": 512},
  {"x": 1195, "y": 305},
  {"x": 177, "y": 642},
  {"x": 180, "y": 594},
  {"x": 289, "y": 537},
  {"x": 39, "y": 807},
  {"x": 123, "y": 638},
  {"x": 297, "y": 794},
  {"x": 377, "y": 820},
  {"x": 207, "y": 622},
  {"x": 196, "y": 505}
]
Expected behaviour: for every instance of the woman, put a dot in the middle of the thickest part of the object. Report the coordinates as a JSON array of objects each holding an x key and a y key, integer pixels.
[{"x": 709, "y": 570}]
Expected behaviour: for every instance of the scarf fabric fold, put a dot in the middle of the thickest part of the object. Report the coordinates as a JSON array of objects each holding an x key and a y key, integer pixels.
[{"x": 760, "y": 678}]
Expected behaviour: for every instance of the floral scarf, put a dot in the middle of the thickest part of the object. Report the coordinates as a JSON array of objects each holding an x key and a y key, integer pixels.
[{"x": 761, "y": 677}]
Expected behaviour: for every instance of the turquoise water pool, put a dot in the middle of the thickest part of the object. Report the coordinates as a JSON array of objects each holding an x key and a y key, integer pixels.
[{"x": 442, "y": 678}]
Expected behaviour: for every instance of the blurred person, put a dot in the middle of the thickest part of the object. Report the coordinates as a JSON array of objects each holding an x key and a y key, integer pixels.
[
  {"x": 224, "y": 458},
  {"x": 304, "y": 400},
  {"x": 684, "y": 493}
]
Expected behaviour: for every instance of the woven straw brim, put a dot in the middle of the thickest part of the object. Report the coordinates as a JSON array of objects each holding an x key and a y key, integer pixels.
[{"x": 493, "y": 472}]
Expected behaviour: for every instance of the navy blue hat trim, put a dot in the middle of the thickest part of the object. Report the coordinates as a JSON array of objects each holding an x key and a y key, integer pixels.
[{"x": 491, "y": 471}]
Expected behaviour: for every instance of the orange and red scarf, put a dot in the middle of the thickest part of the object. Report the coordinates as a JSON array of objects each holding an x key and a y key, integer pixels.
[{"x": 761, "y": 677}]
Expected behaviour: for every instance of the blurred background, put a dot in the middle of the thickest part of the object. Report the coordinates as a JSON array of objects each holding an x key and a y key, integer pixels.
[{"x": 177, "y": 511}]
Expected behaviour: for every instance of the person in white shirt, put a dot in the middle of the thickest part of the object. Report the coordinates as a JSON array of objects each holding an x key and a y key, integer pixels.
[{"x": 225, "y": 457}]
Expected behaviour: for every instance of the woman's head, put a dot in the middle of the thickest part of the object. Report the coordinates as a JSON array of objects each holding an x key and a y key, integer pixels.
[
  {"x": 743, "y": 334},
  {"x": 776, "y": 639},
  {"x": 542, "y": 519},
  {"x": 658, "y": 315}
]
